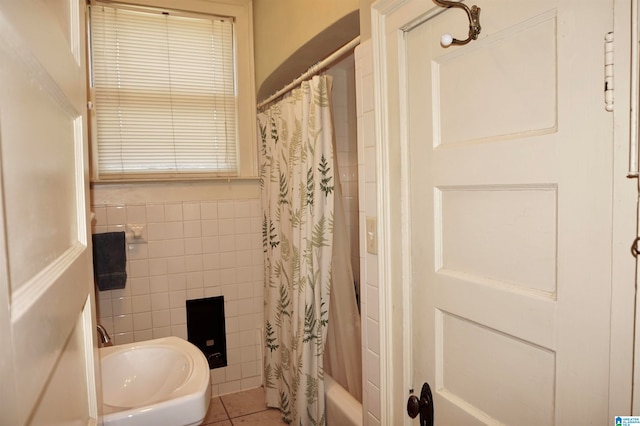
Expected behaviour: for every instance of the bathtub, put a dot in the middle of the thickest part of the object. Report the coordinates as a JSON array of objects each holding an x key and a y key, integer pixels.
[{"x": 342, "y": 408}]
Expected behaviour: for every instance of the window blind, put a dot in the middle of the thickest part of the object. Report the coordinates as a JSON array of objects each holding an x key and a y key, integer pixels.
[{"x": 164, "y": 93}]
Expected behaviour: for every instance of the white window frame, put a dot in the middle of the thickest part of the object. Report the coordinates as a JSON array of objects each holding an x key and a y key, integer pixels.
[{"x": 242, "y": 13}]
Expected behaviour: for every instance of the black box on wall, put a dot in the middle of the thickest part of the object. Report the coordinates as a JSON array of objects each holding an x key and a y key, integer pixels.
[{"x": 206, "y": 329}]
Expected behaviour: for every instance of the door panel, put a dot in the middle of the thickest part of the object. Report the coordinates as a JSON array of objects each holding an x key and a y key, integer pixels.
[
  {"x": 44, "y": 194},
  {"x": 519, "y": 62},
  {"x": 504, "y": 169},
  {"x": 485, "y": 369},
  {"x": 515, "y": 260},
  {"x": 70, "y": 368}
]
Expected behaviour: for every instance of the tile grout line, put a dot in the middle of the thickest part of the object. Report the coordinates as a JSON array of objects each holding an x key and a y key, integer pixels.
[{"x": 225, "y": 410}]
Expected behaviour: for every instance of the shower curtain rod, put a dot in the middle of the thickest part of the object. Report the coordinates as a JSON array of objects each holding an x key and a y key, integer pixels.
[{"x": 313, "y": 70}]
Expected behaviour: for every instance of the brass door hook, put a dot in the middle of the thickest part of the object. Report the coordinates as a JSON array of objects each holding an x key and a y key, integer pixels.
[{"x": 474, "y": 22}]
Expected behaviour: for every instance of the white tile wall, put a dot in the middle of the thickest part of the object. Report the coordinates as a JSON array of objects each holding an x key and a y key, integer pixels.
[
  {"x": 190, "y": 250},
  {"x": 368, "y": 207}
]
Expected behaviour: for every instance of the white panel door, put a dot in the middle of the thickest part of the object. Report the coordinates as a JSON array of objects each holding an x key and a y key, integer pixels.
[
  {"x": 500, "y": 199},
  {"x": 47, "y": 348}
]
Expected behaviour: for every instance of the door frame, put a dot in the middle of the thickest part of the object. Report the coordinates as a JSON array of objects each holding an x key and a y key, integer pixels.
[
  {"x": 632, "y": 124},
  {"x": 394, "y": 232}
]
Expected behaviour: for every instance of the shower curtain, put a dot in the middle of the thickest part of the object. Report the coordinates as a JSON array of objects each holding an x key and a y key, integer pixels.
[{"x": 297, "y": 171}]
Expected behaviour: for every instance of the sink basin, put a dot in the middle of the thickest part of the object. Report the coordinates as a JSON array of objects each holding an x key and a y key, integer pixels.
[{"x": 157, "y": 382}]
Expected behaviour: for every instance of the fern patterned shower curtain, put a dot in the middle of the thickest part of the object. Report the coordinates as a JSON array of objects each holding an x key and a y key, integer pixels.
[{"x": 297, "y": 178}]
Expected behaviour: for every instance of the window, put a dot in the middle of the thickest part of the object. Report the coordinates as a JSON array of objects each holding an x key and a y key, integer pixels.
[{"x": 165, "y": 94}]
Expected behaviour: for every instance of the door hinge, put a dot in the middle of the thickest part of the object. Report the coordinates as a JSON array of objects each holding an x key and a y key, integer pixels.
[{"x": 608, "y": 71}]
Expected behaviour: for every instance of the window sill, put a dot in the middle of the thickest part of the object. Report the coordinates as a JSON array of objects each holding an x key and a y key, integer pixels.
[
  {"x": 160, "y": 181},
  {"x": 124, "y": 192}
]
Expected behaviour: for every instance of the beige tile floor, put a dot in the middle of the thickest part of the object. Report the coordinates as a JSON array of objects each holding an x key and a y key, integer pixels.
[{"x": 242, "y": 408}]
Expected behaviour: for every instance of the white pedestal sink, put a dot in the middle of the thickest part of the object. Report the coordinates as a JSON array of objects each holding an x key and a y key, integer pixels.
[{"x": 164, "y": 382}]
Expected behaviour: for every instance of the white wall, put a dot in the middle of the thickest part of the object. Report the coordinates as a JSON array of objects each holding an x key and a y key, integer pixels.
[
  {"x": 195, "y": 247},
  {"x": 368, "y": 207}
]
